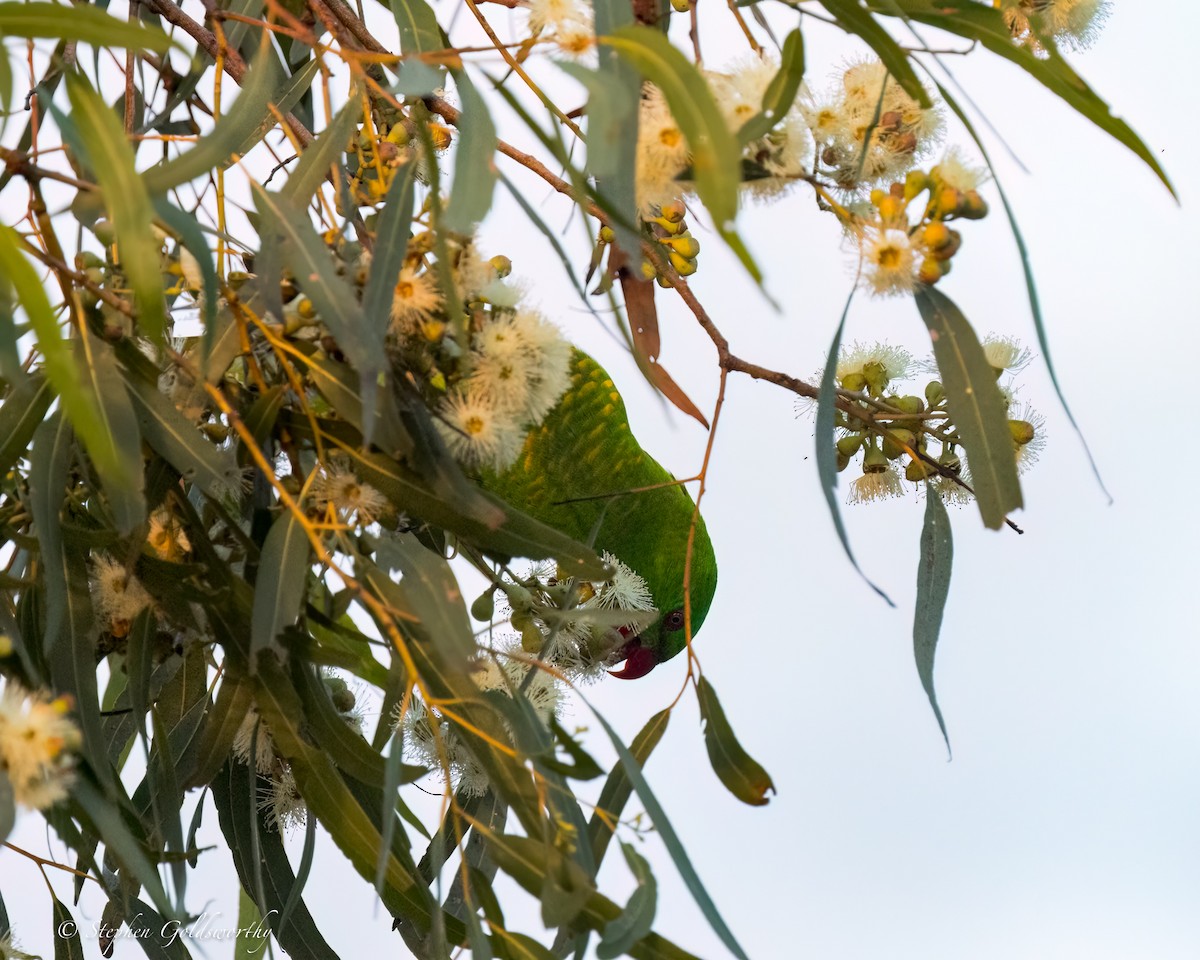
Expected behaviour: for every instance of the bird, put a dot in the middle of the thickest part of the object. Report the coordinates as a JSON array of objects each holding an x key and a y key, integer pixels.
[{"x": 582, "y": 471}]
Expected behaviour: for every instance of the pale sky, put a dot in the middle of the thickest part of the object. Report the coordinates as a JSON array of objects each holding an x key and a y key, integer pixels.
[{"x": 1066, "y": 825}]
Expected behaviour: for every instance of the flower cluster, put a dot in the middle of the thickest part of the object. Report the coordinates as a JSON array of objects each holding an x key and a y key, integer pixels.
[
  {"x": 38, "y": 740},
  {"x": 430, "y": 740},
  {"x": 1074, "y": 23},
  {"x": 921, "y": 428},
  {"x": 567, "y": 23},
  {"x": 897, "y": 253},
  {"x": 279, "y": 797}
]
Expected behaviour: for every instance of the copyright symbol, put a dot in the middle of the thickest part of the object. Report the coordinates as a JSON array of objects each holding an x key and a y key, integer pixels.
[{"x": 67, "y": 929}]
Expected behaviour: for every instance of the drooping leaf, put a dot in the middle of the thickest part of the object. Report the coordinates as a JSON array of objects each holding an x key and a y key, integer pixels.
[
  {"x": 618, "y": 788},
  {"x": 976, "y": 404},
  {"x": 826, "y": 449},
  {"x": 742, "y": 775},
  {"x": 67, "y": 943},
  {"x": 79, "y": 403},
  {"x": 474, "y": 168},
  {"x": 614, "y": 100},
  {"x": 119, "y": 444},
  {"x": 980, "y": 23},
  {"x": 127, "y": 200},
  {"x": 236, "y": 131},
  {"x": 1035, "y": 308},
  {"x": 432, "y": 591},
  {"x": 780, "y": 93},
  {"x": 637, "y": 918},
  {"x": 232, "y": 798},
  {"x": 335, "y": 301},
  {"x": 716, "y": 156},
  {"x": 282, "y": 581},
  {"x": 671, "y": 841},
  {"x": 322, "y": 154},
  {"x": 933, "y": 586},
  {"x": 192, "y": 239},
  {"x": 84, "y": 24},
  {"x": 21, "y": 413}
]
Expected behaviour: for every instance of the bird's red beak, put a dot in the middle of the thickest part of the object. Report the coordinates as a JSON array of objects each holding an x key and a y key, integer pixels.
[{"x": 639, "y": 661}]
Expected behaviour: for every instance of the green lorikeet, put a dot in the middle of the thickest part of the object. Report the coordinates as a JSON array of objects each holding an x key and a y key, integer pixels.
[{"x": 584, "y": 449}]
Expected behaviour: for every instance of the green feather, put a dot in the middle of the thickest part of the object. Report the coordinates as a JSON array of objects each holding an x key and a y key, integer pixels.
[{"x": 582, "y": 453}]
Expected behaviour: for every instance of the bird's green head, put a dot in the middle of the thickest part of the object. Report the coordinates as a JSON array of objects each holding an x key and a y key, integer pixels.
[{"x": 663, "y": 569}]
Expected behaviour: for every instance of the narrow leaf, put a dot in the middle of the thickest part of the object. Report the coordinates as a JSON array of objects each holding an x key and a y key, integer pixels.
[
  {"x": 716, "y": 156},
  {"x": 67, "y": 944},
  {"x": 618, "y": 788},
  {"x": 282, "y": 579},
  {"x": 826, "y": 449},
  {"x": 474, "y": 169},
  {"x": 323, "y": 153},
  {"x": 780, "y": 93},
  {"x": 675, "y": 848},
  {"x": 84, "y": 24},
  {"x": 127, "y": 200},
  {"x": 391, "y": 247},
  {"x": 638, "y": 916},
  {"x": 976, "y": 404},
  {"x": 22, "y": 412},
  {"x": 933, "y": 586}
]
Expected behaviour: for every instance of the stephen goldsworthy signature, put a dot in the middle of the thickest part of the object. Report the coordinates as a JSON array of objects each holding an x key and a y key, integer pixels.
[{"x": 206, "y": 926}]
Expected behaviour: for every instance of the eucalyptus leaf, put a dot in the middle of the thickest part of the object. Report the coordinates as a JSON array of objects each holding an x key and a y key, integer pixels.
[
  {"x": 742, "y": 775},
  {"x": 933, "y": 587},
  {"x": 282, "y": 582}
]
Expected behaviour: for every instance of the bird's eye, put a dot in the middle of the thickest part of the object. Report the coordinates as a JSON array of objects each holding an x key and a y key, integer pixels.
[{"x": 673, "y": 620}]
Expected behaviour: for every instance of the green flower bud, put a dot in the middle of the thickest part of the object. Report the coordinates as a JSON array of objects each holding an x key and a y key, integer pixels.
[
  {"x": 908, "y": 404},
  {"x": 951, "y": 462},
  {"x": 343, "y": 699},
  {"x": 894, "y": 445},
  {"x": 484, "y": 605},
  {"x": 972, "y": 206},
  {"x": 935, "y": 393},
  {"x": 849, "y": 446},
  {"x": 842, "y": 462},
  {"x": 918, "y": 470},
  {"x": 1022, "y": 431},
  {"x": 103, "y": 229},
  {"x": 874, "y": 460},
  {"x": 876, "y": 376},
  {"x": 88, "y": 261},
  {"x": 854, "y": 382},
  {"x": 520, "y": 599}
]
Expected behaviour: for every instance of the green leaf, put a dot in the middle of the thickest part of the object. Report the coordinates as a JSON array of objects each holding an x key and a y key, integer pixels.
[
  {"x": 8, "y": 808},
  {"x": 235, "y": 132},
  {"x": 638, "y": 916},
  {"x": 282, "y": 581},
  {"x": 391, "y": 247},
  {"x": 107, "y": 820},
  {"x": 716, "y": 156},
  {"x": 79, "y": 403},
  {"x": 671, "y": 841},
  {"x": 191, "y": 236},
  {"x": 432, "y": 592},
  {"x": 139, "y": 664},
  {"x": 82, "y": 23},
  {"x": 419, "y": 30},
  {"x": 341, "y": 386},
  {"x": 119, "y": 444},
  {"x": 780, "y": 93},
  {"x": 741, "y": 773},
  {"x": 224, "y": 719},
  {"x": 614, "y": 100},
  {"x": 474, "y": 169},
  {"x": 178, "y": 441},
  {"x": 20, "y": 416},
  {"x": 323, "y": 153},
  {"x": 67, "y": 945},
  {"x": 980, "y": 23},
  {"x": 826, "y": 449},
  {"x": 933, "y": 586},
  {"x": 976, "y": 405},
  {"x": 1030, "y": 285},
  {"x": 232, "y": 798},
  {"x": 306, "y": 862},
  {"x": 618, "y": 788},
  {"x": 49, "y": 463},
  {"x": 335, "y": 301},
  {"x": 246, "y": 946},
  {"x": 852, "y": 18},
  {"x": 127, "y": 200}
]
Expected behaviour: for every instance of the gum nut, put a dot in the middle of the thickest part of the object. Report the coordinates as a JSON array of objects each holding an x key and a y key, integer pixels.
[
  {"x": 917, "y": 470},
  {"x": 848, "y": 446},
  {"x": 103, "y": 229},
  {"x": 607, "y": 235},
  {"x": 484, "y": 605}
]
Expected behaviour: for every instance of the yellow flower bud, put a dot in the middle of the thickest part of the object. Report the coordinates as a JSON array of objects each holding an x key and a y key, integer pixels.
[
  {"x": 685, "y": 266},
  {"x": 685, "y": 246},
  {"x": 854, "y": 382},
  {"x": 973, "y": 206},
  {"x": 502, "y": 265},
  {"x": 1022, "y": 431},
  {"x": 674, "y": 211},
  {"x": 607, "y": 235},
  {"x": 681, "y": 6},
  {"x": 914, "y": 184},
  {"x": 648, "y": 271},
  {"x": 900, "y": 441},
  {"x": 918, "y": 470}
]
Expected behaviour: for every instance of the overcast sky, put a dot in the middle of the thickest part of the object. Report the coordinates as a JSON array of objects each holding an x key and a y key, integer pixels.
[{"x": 1066, "y": 825}]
